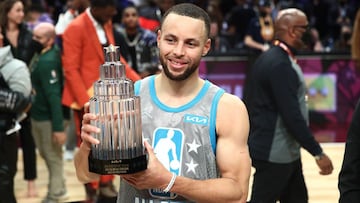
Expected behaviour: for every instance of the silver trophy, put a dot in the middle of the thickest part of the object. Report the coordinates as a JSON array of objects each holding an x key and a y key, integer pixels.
[{"x": 118, "y": 114}]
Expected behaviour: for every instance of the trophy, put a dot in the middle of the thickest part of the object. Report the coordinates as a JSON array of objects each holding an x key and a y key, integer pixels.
[{"x": 121, "y": 149}]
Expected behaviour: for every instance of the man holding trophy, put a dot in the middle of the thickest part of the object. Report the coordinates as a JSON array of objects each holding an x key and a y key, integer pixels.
[{"x": 188, "y": 123}]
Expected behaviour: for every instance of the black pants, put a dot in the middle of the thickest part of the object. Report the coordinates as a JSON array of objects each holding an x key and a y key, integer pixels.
[
  {"x": 283, "y": 182},
  {"x": 28, "y": 147},
  {"x": 8, "y": 160}
]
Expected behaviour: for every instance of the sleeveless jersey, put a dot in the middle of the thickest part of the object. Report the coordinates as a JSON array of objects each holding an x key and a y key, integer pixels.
[{"x": 183, "y": 138}]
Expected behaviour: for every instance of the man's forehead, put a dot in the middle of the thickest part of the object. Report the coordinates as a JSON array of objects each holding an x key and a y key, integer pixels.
[
  {"x": 130, "y": 10},
  {"x": 174, "y": 19},
  {"x": 186, "y": 26}
]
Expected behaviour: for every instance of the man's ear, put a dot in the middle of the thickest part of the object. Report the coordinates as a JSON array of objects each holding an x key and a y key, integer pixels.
[
  {"x": 292, "y": 32},
  {"x": 158, "y": 37},
  {"x": 207, "y": 47}
]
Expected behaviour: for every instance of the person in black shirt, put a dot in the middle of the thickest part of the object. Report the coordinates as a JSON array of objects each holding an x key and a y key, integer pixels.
[
  {"x": 276, "y": 101},
  {"x": 349, "y": 178}
]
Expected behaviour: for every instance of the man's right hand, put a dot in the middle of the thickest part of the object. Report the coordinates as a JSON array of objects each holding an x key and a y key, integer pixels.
[
  {"x": 87, "y": 129},
  {"x": 325, "y": 165},
  {"x": 81, "y": 157}
]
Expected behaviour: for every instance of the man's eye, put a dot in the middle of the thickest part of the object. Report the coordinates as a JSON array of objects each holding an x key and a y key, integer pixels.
[
  {"x": 170, "y": 40},
  {"x": 191, "y": 44}
]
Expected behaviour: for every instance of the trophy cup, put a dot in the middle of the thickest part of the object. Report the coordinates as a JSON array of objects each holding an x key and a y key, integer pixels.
[{"x": 120, "y": 150}]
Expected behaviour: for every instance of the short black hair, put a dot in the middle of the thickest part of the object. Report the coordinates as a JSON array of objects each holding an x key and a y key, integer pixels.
[
  {"x": 102, "y": 3},
  {"x": 264, "y": 3},
  {"x": 189, "y": 10},
  {"x": 130, "y": 6},
  {"x": 36, "y": 7}
]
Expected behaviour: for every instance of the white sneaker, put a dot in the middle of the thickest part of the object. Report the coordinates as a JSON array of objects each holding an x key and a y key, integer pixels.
[
  {"x": 69, "y": 155},
  {"x": 56, "y": 198}
]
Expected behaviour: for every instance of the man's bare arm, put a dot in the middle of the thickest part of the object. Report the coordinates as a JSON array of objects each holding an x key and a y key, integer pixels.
[{"x": 232, "y": 155}]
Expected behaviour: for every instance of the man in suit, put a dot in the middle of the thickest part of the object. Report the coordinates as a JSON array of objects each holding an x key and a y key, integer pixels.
[{"x": 83, "y": 42}]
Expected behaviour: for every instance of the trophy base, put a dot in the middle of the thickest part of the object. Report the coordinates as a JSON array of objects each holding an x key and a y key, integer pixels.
[{"x": 117, "y": 166}]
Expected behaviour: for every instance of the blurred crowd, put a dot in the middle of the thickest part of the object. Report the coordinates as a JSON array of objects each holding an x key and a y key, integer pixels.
[{"x": 237, "y": 25}]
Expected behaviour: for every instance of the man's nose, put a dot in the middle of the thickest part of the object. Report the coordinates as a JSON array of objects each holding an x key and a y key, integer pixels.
[{"x": 179, "y": 49}]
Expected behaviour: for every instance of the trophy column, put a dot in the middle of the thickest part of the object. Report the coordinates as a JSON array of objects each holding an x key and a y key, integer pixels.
[{"x": 118, "y": 114}]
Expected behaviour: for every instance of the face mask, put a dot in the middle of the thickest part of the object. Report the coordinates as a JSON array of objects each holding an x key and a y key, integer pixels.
[
  {"x": 346, "y": 36},
  {"x": 37, "y": 46},
  {"x": 307, "y": 39}
]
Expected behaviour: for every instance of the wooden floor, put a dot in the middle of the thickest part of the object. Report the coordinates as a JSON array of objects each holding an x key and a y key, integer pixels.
[{"x": 322, "y": 189}]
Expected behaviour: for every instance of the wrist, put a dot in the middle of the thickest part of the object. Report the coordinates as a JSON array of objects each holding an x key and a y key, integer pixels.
[
  {"x": 265, "y": 47},
  {"x": 319, "y": 156},
  {"x": 171, "y": 183},
  {"x": 85, "y": 146}
]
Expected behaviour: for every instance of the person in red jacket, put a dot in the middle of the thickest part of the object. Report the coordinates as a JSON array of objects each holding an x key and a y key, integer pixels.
[{"x": 83, "y": 42}]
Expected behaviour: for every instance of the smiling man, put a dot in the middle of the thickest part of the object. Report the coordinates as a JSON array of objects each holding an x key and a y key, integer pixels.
[{"x": 193, "y": 118}]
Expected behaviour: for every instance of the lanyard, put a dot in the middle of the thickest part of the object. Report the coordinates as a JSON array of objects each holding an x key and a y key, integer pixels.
[{"x": 285, "y": 48}]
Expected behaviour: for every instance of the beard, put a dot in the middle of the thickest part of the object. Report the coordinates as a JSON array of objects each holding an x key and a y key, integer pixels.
[
  {"x": 299, "y": 45},
  {"x": 183, "y": 76}
]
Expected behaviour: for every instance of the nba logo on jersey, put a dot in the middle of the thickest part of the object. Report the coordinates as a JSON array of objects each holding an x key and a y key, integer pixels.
[{"x": 168, "y": 145}]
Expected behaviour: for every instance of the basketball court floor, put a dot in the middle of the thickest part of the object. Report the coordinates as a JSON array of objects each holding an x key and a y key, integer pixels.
[{"x": 322, "y": 189}]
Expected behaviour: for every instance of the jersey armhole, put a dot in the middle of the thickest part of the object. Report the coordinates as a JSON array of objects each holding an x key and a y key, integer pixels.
[
  {"x": 137, "y": 86},
  {"x": 213, "y": 111}
]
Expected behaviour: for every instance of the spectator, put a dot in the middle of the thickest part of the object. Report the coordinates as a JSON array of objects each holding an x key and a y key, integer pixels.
[
  {"x": 260, "y": 31},
  {"x": 150, "y": 15},
  {"x": 47, "y": 116},
  {"x": 343, "y": 44},
  {"x": 75, "y": 7},
  {"x": 15, "y": 31},
  {"x": 219, "y": 44},
  {"x": 349, "y": 174},
  {"x": 312, "y": 42},
  {"x": 15, "y": 88},
  {"x": 276, "y": 100},
  {"x": 214, "y": 11},
  {"x": 237, "y": 22},
  {"x": 341, "y": 13},
  {"x": 17, "y": 35},
  {"x": 36, "y": 14},
  {"x": 140, "y": 50},
  {"x": 319, "y": 18},
  {"x": 317, "y": 45}
]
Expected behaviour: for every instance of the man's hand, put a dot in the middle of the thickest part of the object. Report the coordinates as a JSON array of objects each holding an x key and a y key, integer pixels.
[
  {"x": 155, "y": 176},
  {"x": 59, "y": 137},
  {"x": 325, "y": 165},
  {"x": 81, "y": 156},
  {"x": 87, "y": 129}
]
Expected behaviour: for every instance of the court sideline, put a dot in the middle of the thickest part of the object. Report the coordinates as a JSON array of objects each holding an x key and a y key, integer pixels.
[{"x": 322, "y": 189}]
